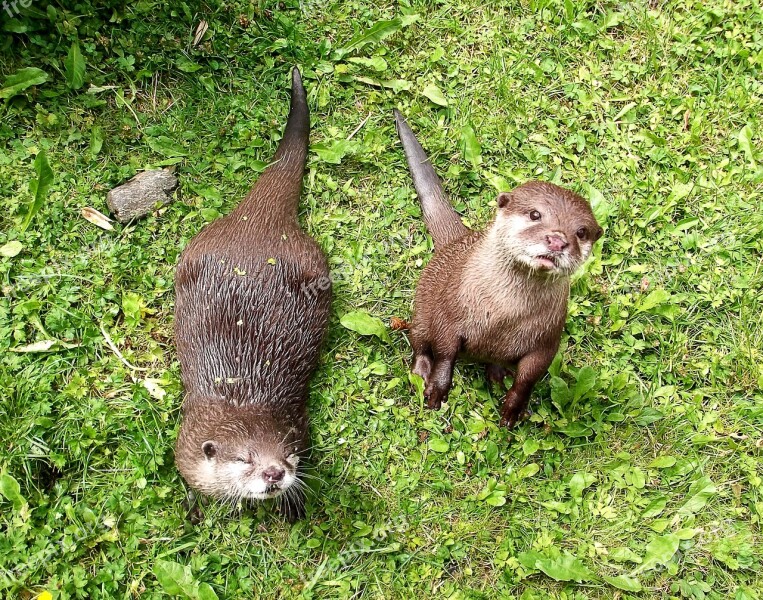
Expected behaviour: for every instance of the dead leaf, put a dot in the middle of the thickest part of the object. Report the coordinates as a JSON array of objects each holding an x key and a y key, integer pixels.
[
  {"x": 398, "y": 324},
  {"x": 97, "y": 218},
  {"x": 201, "y": 29},
  {"x": 43, "y": 346},
  {"x": 154, "y": 388},
  {"x": 11, "y": 249}
]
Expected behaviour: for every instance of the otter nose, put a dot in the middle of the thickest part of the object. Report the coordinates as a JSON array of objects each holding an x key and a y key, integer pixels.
[
  {"x": 556, "y": 243},
  {"x": 273, "y": 474}
]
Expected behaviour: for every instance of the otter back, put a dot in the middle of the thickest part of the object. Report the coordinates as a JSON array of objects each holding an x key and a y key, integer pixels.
[{"x": 252, "y": 304}]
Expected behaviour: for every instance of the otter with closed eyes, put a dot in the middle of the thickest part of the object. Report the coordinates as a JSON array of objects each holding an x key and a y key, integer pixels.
[
  {"x": 499, "y": 295},
  {"x": 248, "y": 336}
]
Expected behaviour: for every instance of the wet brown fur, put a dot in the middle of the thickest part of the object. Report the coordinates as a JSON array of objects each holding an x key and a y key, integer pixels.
[
  {"x": 248, "y": 333},
  {"x": 476, "y": 299}
]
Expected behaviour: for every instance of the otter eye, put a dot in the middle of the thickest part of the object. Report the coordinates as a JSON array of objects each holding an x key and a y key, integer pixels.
[
  {"x": 582, "y": 233},
  {"x": 534, "y": 215},
  {"x": 209, "y": 449}
]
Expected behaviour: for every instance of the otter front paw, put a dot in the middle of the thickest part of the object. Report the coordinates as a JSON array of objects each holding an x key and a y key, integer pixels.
[
  {"x": 434, "y": 398},
  {"x": 513, "y": 411}
]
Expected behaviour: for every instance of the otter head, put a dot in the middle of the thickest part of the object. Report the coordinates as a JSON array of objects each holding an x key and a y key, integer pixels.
[
  {"x": 545, "y": 228},
  {"x": 238, "y": 452}
]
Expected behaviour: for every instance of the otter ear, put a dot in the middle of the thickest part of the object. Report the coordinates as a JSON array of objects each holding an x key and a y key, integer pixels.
[
  {"x": 209, "y": 449},
  {"x": 503, "y": 199},
  {"x": 597, "y": 233}
]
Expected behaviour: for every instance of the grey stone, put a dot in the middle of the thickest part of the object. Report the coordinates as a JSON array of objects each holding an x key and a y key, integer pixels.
[{"x": 142, "y": 194}]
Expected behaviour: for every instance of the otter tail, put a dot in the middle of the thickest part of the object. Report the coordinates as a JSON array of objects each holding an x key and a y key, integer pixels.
[
  {"x": 280, "y": 185},
  {"x": 441, "y": 219}
]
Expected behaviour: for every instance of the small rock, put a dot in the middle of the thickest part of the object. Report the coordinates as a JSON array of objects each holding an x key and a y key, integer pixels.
[{"x": 143, "y": 193}]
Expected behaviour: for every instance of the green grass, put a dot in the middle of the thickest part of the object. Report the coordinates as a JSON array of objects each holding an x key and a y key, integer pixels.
[{"x": 643, "y": 456}]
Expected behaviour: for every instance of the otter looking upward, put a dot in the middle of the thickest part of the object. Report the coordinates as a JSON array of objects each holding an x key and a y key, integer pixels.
[
  {"x": 248, "y": 336},
  {"x": 498, "y": 295}
]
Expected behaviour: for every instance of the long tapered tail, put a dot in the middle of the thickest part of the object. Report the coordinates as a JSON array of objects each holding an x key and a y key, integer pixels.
[
  {"x": 441, "y": 219},
  {"x": 280, "y": 185}
]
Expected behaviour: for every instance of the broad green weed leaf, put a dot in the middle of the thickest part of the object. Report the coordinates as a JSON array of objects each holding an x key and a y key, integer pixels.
[
  {"x": 530, "y": 446},
  {"x": 39, "y": 187},
  {"x": 377, "y": 63},
  {"x": 21, "y": 80},
  {"x": 623, "y": 582},
  {"x": 576, "y": 430},
  {"x": 562, "y": 508},
  {"x": 579, "y": 482},
  {"x": 487, "y": 490},
  {"x": 131, "y": 303},
  {"x": 699, "y": 493},
  {"x": 166, "y": 146},
  {"x": 560, "y": 392},
  {"x": 569, "y": 10},
  {"x": 417, "y": 383},
  {"x": 745, "y": 143},
  {"x": 530, "y": 558},
  {"x": 528, "y": 471},
  {"x": 565, "y": 568},
  {"x": 498, "y": 182},
  {"x": 396, "y": 85},
  {"x": 175, "y": 579},
  {"x": 663, "y": 462},
  {"x": 491, "y": 452},
  {"x": 74, "y": 67},
  {"x": 658, "y": 552},
  {"x": 376, "y": 33},
  {"x": 96, "y": 141},
  {"x": 11, "y": 249},
  {"x": 648, "y": 415},
  {"x": 496, "y": 500},
  {"x": 624, "y": 554},
  {"x": 635, "y": 477},
  {"x": 205, "y": 592},
  {"x": 655, "y": 298},
  {"x": 364, "y": 324},
  {"x": 586, "y": 380},
  {"x": 471, "y": 146},
  {"x": 434, "y": 93},
  {"x": 11, "y": 490},
  {"x": 686, "y": 534},
  {"x": 659, "y": 525},
  {"x": 335, "y": 151},
  {"x": 439, "y": 445},
  {"x": 746, "y": 593},
  {"x": 186, "y": 65},
  {"x": 602, "y": 208},
  {"x": 655, "y": 507}
]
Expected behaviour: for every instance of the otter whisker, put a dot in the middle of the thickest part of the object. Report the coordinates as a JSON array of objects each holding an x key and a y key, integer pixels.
[{"x": 315, "y": 477}]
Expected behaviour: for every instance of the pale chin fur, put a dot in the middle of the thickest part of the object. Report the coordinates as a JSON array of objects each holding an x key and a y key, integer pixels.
[
  {"x": 237, "y": 481},
  {"x": 505, "y": 234}
]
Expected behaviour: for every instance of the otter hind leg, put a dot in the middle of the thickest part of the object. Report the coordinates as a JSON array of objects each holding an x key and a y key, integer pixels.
[{"x": 530, "y": 369}]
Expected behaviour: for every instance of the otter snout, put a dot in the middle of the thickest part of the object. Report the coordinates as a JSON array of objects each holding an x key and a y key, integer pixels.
[
  {"x": 273, "y": 474},
  {"x": 556, "y": 242}
]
